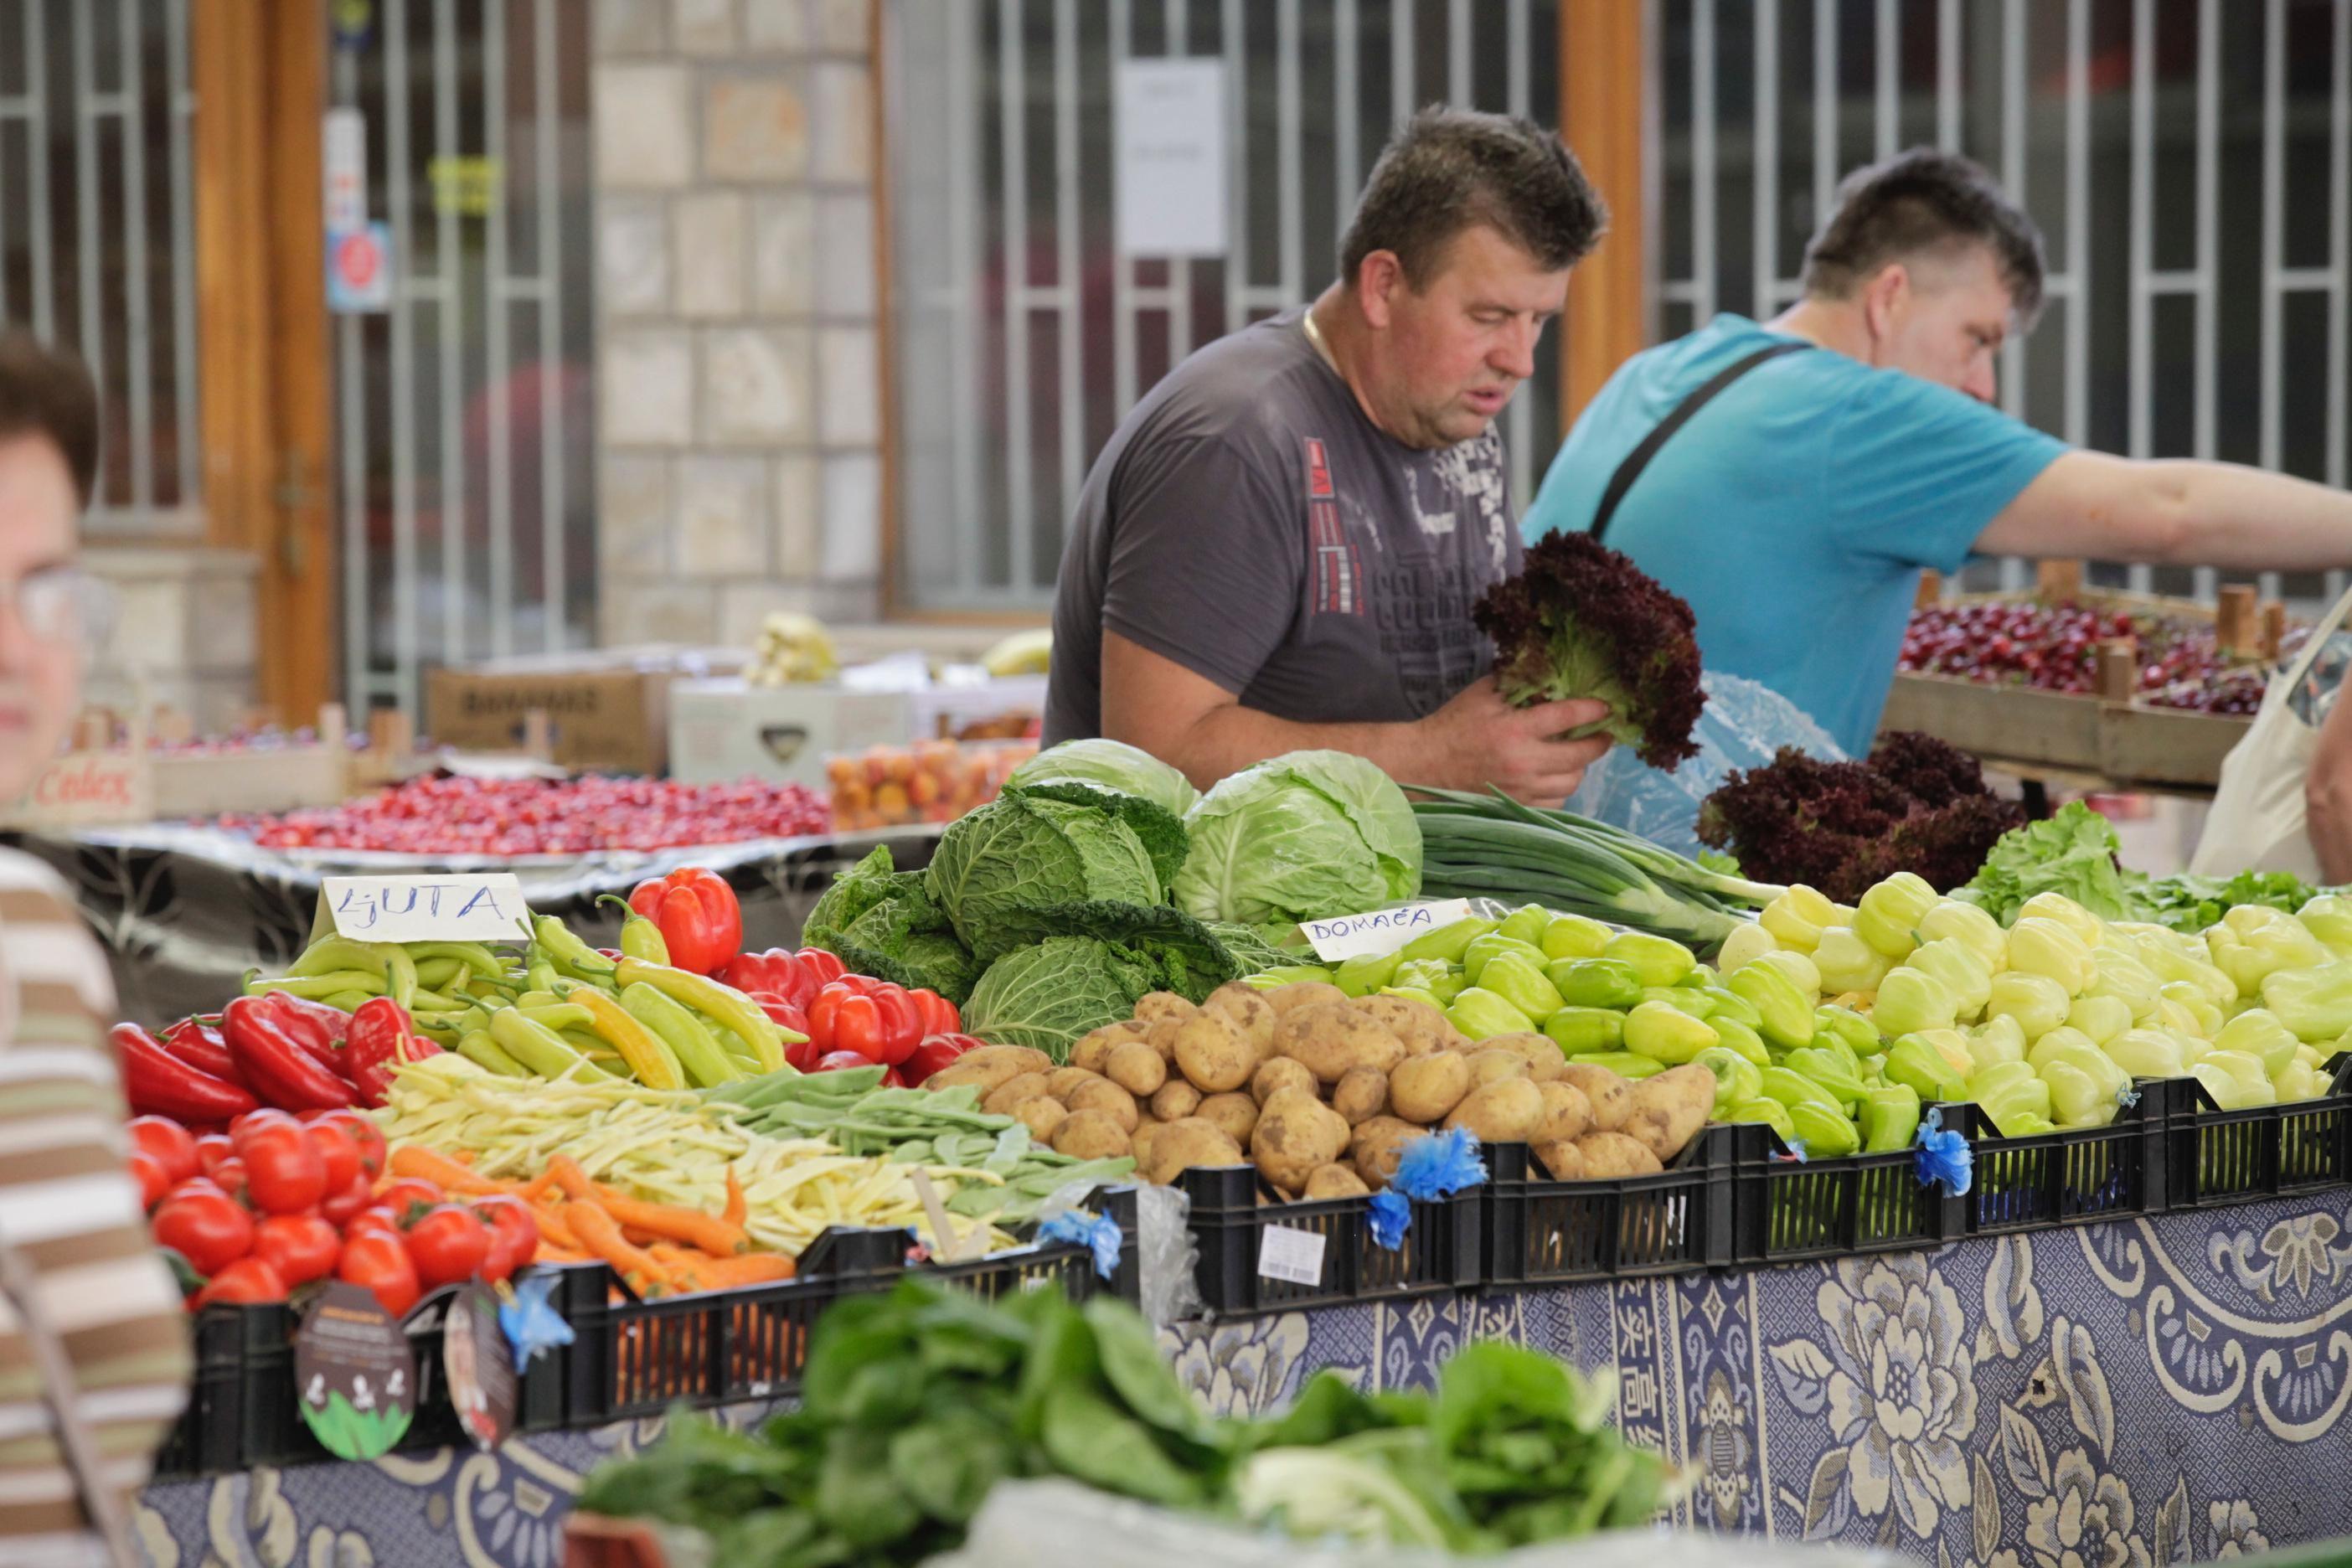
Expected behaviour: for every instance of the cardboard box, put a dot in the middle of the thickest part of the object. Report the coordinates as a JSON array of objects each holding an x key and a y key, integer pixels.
[
  {"x": 608, "y": 708},
  {"x": 730, "y": 730}
]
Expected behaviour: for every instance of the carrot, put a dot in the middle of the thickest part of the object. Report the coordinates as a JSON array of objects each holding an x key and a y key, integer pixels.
[
  {"x": 735, "y": 1211},
  {"x": 599, "y": 1233},
  {"x": 408, "y": 1160},
  {"x": 692, "y": 1226},
  {"x": 750, "y": 1268},
  {"x": 552, "y": 1226},
  {"x": 564, "y": 1172}
]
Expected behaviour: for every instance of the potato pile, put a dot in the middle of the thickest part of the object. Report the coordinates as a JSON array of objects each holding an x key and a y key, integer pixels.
[{"x": 1322, "y": 1092}]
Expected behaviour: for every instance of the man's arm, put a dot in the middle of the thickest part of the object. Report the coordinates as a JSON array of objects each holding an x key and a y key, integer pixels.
[
  {"x": 1191, "y": 722},
  {"x": 2174, "y": 513},
  {"x": 2328, "y": 794}
]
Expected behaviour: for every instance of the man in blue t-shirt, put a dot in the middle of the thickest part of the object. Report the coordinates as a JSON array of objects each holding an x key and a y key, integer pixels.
[{"x": 1795, "y": 509}]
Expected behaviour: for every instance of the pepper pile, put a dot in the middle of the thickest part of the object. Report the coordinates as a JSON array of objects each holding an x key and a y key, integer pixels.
[
  {"x": 275, "y": 1050},
  {"x": 851, "y": 1020}
]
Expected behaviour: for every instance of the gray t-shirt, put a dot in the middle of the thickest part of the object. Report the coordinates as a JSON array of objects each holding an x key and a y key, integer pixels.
[{"x": 1249, "y": 523}]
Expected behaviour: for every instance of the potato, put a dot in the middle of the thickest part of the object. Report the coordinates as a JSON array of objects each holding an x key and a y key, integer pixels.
[
  {"x": 1062, "y": 1082},
  {"x": 1142, "y": 1141},
  {"x": 1668, "y": 1111},
  {"x": 1295, "y": 1133},
  {"x": 1211, "y": 1051},
  {"x": 1280, "y": 1073},
  {"x": 1504, "y": 1111},
  {"x": 1377, "y": 1145},
  {"x": 1420, "y": 1026},
  {"x": 1334, "y": 1180},
  {"x": 1093, "y": 1050},
  {"x": 1182, "y": 1145},
  {"x": 1012, "y": 1091},
  {"x": 1253, "y": 1016},
  {"x": 1567, "y": 1114},
  {"x": 1331, "y": 1039},
  {"x": 1564, "y": 1160},
  {"x": 1136, "y": 1068},
  {"x": 987, "y": 1077},
  {"x": 1492, "y": 1064},
  {"x": 1543, "y": 1054},
  {"x": 1175, "y": 1100},
  {"x": 1302, "y": 993},
  {"x": 1161, "y": 1005},
  {"x": 1041, "y": 1114},
  {"x": 1604, "y": 1091},
  {"x": 1091, "y": 1135},
  {"x": 1608, "y": 1154},
  {"x": 1161, "y": 1037},
  {"x": 1108, "y": 1098},
  {"x": 1360, "y": 1095},
  {"x": 1423, "y": 1088},
  {"x": 1235, "y": 1113}
]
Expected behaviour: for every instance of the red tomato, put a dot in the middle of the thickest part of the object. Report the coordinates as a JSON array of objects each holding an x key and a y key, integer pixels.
[
  {"x": 447, "y": 1246},
  {"x": 337, "y": 1208},
  {"x": 339, "y": 1155},
  {"x": 374, "y": 1216},
  {"x": 252, "y": 1121},
  {"x": 232, "y": 1178},
  {"x": 936, "y": 1052},
  {"x": 286, "y": 1172},
  {"x": 376, "y": 1259},
  {"x": 514, "y": 1235},
  {"x": 205, "y": 1226},
  {"x": 148, "y": 1172},
  {"x": 172, "y": 1147},
  {"x": 301, "y": 1248},
  {"x": 837, "y": 1061},
  {"x": 364, "y": 1134},
  {"x": 246, "y": 1282},
  {"x": 399, "y": 1196},
  {"x": 211, "y": 1150}
]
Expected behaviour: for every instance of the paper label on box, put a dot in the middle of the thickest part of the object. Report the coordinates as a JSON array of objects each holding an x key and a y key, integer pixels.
[
  {"x": 1377, "y": 932},
  {"x": 1290, "y": 1255},
  {"x": 460, "y": 907}
]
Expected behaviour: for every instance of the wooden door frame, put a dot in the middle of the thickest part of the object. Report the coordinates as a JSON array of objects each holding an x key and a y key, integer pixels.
[
  {"x": 264, "y": 368},
  {"x": 1603, "y": 89}
]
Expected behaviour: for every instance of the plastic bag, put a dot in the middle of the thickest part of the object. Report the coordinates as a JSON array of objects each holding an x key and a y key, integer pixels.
[
  {"x": 1743, "y": 724},
  {"x": 1025, "y": 1523}
]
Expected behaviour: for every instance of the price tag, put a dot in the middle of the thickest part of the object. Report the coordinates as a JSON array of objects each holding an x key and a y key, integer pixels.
[
  {"x": 1377, "y": 932},
  {"x": 356, "y": 1373},
  {"x": 1290, "y": 1255},
  {"x": 487, "y": 907}
]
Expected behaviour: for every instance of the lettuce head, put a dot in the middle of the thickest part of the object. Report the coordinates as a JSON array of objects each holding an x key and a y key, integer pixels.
[{"x": 1304, "y": 835}]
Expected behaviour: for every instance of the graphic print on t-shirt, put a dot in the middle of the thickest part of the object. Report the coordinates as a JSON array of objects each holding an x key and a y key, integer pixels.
[{"x": 1339, "y": 569}]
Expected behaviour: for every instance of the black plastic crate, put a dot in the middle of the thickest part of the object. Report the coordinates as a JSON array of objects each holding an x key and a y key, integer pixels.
[
  {"x": 1788, "y": 1209},
  {"x": 2074, "y": 1177},
  {"x": 1543, "y": 1232},
  {"x": 2216, "y": 1156},
  {"x": 1443, "y": 1248}
]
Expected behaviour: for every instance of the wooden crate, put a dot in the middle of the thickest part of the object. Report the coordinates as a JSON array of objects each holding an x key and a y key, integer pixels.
[
  {"x": 2165, "y": 745},
  {"x": 2012, "y": 722}
]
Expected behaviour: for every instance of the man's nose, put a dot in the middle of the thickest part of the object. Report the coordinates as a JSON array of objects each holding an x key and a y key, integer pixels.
[
  {"x": 1979, "y": 382},
  {"x": 1516, "y": 355}
]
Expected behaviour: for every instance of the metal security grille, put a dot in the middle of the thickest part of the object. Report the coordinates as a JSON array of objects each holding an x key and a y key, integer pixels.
[
  {"x": 1024, "y": 336},
  {"x": 2190, "y": 162},
  {"x": 463, "y": 483},
  {"x": 98, "y": 232}
]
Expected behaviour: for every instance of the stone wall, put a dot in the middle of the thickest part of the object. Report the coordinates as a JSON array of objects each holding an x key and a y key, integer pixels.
[
  {"x": 184, "y": 630},
  {"x": 739, "y": 411}
]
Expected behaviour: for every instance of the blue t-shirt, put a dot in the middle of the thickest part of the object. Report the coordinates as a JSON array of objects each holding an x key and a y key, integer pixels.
[{"x": 1795, "y": 512}]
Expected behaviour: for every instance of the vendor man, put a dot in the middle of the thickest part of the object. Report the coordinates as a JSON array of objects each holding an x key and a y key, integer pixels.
[
  {"x": 1281, "y": 544},
  {"x": 1822, "y": 461}
]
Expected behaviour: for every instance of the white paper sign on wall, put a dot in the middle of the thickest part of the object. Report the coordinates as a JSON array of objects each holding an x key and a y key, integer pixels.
[{"x": 1171, "y": 173}]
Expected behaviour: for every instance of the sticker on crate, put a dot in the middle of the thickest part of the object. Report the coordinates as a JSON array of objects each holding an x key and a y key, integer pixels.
[
  {"x": 356, "y": 1372},
  {"x": 1290, "y": 1255},
  {"x": 479, "y": 1365}
]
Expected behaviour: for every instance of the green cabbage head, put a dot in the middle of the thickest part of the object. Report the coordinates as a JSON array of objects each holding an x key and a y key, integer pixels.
[
  {"x": 1307, "y": 834},
  {"x": 1110, "y": 765},
  {"x": 1003, "y": 870}
]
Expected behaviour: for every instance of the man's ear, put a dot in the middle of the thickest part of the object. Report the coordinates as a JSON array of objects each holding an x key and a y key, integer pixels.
[
  {"x": 1883, "y": 296},
  {"x": 1378, "y": 282}
]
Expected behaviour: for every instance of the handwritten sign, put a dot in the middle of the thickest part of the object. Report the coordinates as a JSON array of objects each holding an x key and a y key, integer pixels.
[
  {"x": 484, "y": 907},
  {"x": 1377, "y": 932}
]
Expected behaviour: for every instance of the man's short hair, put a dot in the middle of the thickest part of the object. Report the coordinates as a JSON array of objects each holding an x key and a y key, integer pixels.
[
  {"x": 48, "y": 392},
  {"x": 1453, "y": 169},
  {"x": 1918, "y": 201}
]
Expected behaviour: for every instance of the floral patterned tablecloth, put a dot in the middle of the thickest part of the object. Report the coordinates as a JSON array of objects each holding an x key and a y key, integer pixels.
[{"x": 2106, "y": 1397}]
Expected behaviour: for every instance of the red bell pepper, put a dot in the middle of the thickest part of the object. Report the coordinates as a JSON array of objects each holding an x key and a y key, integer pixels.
[
  {"x": 777, "y": 972},
  {"x": 701, "y": 920},
  {"x": 822, "y": 965},
  {"x": 940, "y": 1015},
  {"x": 158, "y": 1083},
  {"x": 200, "y": 1045},
  {"x": 274, "y": 1060},
  {"x": 383, "y": 1038},
  {"x": 318, "y": 1028},
  {"x": 936, "y": 1052},
  {"x": 902, "y": 1023},
  {"x": 779, "y": 1011},
  {"x": 858, "y": 1028}
]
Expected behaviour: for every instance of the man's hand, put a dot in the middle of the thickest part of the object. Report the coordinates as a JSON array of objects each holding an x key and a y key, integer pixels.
[{"x": 1478, "y": 738}]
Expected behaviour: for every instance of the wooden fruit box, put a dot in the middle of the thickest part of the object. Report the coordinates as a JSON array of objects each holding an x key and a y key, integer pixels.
[{"x": 2012, "y": 722}]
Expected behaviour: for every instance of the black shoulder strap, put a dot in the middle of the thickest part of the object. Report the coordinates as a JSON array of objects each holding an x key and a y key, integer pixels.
[{"x": 1639, "y": 458}]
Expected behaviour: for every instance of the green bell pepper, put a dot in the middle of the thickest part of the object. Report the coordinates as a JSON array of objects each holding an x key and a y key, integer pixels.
[
  {"x": 1595, "y": 982},
  {"x": 1847, "y": 963},
  {"x": 1798, "y": 917},
  {"x": 1747, "y": 943},
  {"x": 1784, "y": 1014},
  {"x": 1792, "y": 1089},
  {"x": 2065, "y": 911},
  {"x": 1972, "y": 928},
  {"x": 1994, "y": 1041},
  {"x": 2315, "y": 1003},
  {"x": 2038, "y": 1002},
  {"x": 2074, "y": 1096},
  {"x": 1362, "y": 976},
  {"x": 1520, "y": 981},
  {"x": 2038, "y": 945},
  {"x": 1910, "y": 999},
  {"x": 1526, "y": 924},
  {"x": 1888, "y": 915},
  {"x": 2101, "y": 1018},
  {"x": 1432, "y": 974},
  {"x": 1770, "y": 1112},
  {"x": 2235, "y": 1079},
  {"x": 1700, "y": 978},
  {"x": 1691, "y": 1000},
  {"x": 2260, "y": 1034},
  {"x": 1835, "y": 1079},
  {"x": 1728, "y": 1003},
  {"x": 2328, "y": 916},
  {"x": 1573, "y": 936},
  {"x": 1448, "y": 941},
  {"x": 1656, "y": 958},
  {"x": 2252, "y": 943},
  {"x": 1624, "y": 1064},
  {"x": 2125, "y": 979},
  {"x": 1580, "y": 1030},
  {"x": 1481, "y": 1015},
  {"x": 1914, "y": 1061},
  {"x": 1659, "y": 1032},
  {"x": 1890, "y": 1119},
  {"x": 1858, "y": 1034},
  {"x": 1959, "y": 970},
  {"x": 1736, "y": 1077},
  {"x": 1826, "y": 1132},
  {"x": 1741, "y": 1040},
  {"x": 1492, "y": 945},
  {"x": 1291, "y": 975},
  {"x": 1413, "y": 994}
]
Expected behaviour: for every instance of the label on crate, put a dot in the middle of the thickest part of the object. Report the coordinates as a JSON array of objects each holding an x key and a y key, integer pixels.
[
  {"x": 1290, "y": 1255},
  {"x": 356, "y": 1373},
  {"x": 480, "y": 1366},
  {"x": 486, "y": 906},
  {"x": 1378, "y": 931}
]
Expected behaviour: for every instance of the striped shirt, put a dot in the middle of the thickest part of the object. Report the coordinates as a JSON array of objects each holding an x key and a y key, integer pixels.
[{"x": 71, "y": 1210}]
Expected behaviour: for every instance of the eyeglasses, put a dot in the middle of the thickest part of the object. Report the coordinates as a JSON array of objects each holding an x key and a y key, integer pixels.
[{"x": 64, "y": 605}]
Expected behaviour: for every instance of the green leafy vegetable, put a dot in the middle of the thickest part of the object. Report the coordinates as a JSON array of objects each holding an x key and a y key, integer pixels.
[
  {"x": 2073, "y": 852},
  {"x": 1047, "y": 995},
  {"x": 1113, "y": 765},
  {"x": 871, "y": 882},
  {"x": 1304, "y": 835},
  {"x": 2189, "y": 904},
  {"x": 1001, "y": 871},
  {"x": 1160, "y": 831}
]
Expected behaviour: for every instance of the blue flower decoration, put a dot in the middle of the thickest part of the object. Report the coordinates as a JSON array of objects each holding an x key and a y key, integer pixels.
[
  {"x": 1099, "y": 1233},
  {"x": 1436, "y": 1165},
  {"x": 530, "y": 1324},
  {"x": 1392, "y": 1217},
  {"x": 1942, "y": 1154},
  {"x": 2126, "y": 1097}
]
